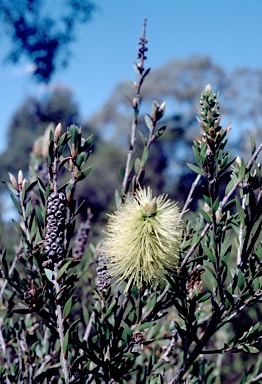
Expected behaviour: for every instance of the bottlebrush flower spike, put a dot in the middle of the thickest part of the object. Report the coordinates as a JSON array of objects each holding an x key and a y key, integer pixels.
[{"x": 143, "y": 238}]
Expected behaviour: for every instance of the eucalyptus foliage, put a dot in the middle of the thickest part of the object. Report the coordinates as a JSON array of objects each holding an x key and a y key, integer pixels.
[{"x": 62, "y": 318}]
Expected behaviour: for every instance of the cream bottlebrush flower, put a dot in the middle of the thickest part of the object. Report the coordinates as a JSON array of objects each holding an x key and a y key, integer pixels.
[{"x": 143, "y": 238}]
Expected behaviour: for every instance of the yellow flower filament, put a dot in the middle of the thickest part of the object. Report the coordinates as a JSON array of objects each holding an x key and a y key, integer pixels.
[{"x": 142, "y": 242}]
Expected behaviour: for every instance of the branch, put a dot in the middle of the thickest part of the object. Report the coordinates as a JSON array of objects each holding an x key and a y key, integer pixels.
[
  {"x": 160, "y": 298},
  {"x": 255, "y": 379},
  {"x": 189, "y": 197},
  {"x": 222, "y": 204},
  {"x": 241, "y": 233},
  {"x": 16, "y": 258},
  {"x": 170, "y": 347},
  {"x": 130, "y": 152},
  {"x": 89, "y": 327},
  {"x": 136, "y": 105},
  {"x": 211, "y": 329},
  {"x": 60, "y": 327},
  {"x": 253, "y": 158},
  {"x": 194, "y": 246},
  {"x": 4, "y": 354},
  {"x": 248, "y": 167}
]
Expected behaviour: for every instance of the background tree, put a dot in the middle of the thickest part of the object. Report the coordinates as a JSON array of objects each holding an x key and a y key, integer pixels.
[
  {"x": 179, "y": 83},
  {"x": 30, "y": 121},
  {"x": 41, "y": 31}
]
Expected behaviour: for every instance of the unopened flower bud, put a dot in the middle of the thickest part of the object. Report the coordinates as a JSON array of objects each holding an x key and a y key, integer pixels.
[
  {"x": 217, "y": 122},
  {"x": 238, "y": 160},
  {"x": 208, "y": 90},
  {"x": 37, "y": 147},
  {"x": 71, "y": 165},
  {"x": 74, "y": 150},
  {"x": 209, "y": 117},
  {"x": 163, "y": 107},
  {"x": 20, "y": 177},
  {"x": 161, "y": 110},
  {"x": 58, "y": 131},
  {"x": 155, "y": 108},
  {"x": 150, "y": 209},
  {"x": 135, "y": 102},
  {"x": 24, "y": 182},
  {"x": 45, "y": 142},
  {"x": 13, "y": 180},
  {"x": 212, "y": 132},
  {"x": 76, "y": 173}
]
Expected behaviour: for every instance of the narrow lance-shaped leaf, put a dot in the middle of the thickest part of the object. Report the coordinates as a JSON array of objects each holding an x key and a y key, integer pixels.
[
  {"x": 84, "y": 173},
  {"x": 4, "y": 263},
  {"x": 205, "y": 215},
  {"x": 63, "y": 269},
  {"x": 136, "y": 69},
  {"x": 65, "y": 342},
  {"x": 146, "y": 72},
  {"x": 117, "y": 198},
  {"x": 23, "y": 193},
  {"x": 130, "y": 166},
  {"x": 63, "y": 139},
  {"x": 143, "y": 138},
  {"x": 81, "y": 158},
  {"x": 28, "y": 209},
  {"x": 130, "y": 83},
  {"x": 148, "y": 121},
  {"x": 137, "y": 165},
  {"x": 67, "y": 307},
  {"x": 142, "y": 327},
  {"x": 160, "y": 132},
  {"x": 73, "y": 133},
  {"x": 11, "y": 187},
  {"x": 215, "y": 205},
  {"x": 242, "y": 170},
  {"x": 31, "y": 186},
  {"x": 16, "y": 204},
  {"x": 19, "y": 229},
  {"x": 80, "y": 207},
  {"x": 121, "y": 173},
  {"x": 111, "y": 309},
  {"x": 127, "y": 333},
  {"x": 196, "y": 154},
  {"x": 49, "y": 274},
  {"x": 196, "y": 169},
  {"x": 209, "y": 253},
  {"x": 144, "y": 157},
  {"x": 63, "y": 162},
  {"x": 87, "y": 143}
]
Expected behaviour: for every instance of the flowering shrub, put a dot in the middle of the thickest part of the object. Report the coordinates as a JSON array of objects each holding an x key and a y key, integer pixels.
[{"x": 184, "y": 278}]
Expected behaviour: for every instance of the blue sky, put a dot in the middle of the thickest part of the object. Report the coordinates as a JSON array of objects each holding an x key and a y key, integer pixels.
[{"x": 229, "y": 31}]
